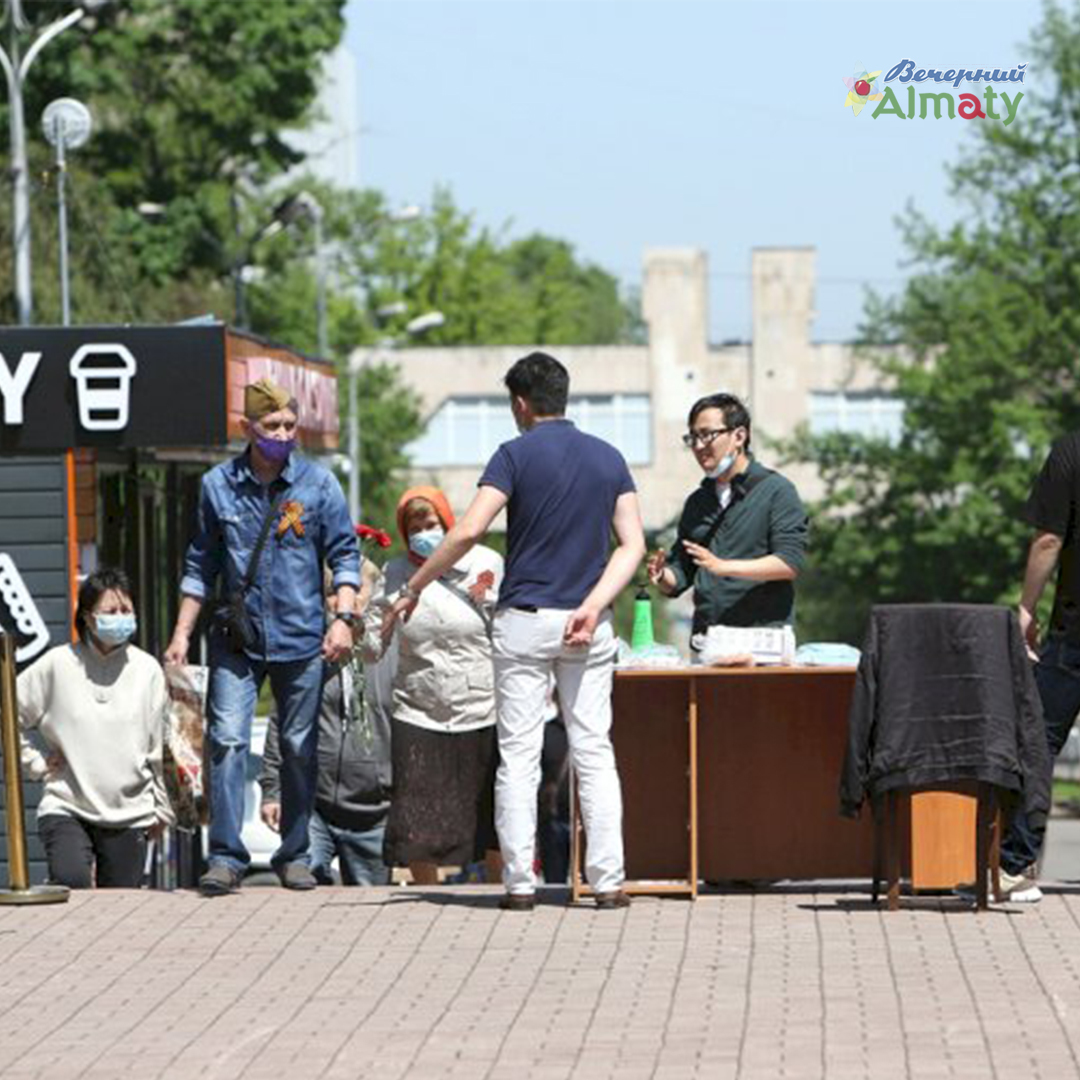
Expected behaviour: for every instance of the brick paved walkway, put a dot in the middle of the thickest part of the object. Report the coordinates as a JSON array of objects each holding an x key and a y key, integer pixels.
[{"x": 346, "y": 983}]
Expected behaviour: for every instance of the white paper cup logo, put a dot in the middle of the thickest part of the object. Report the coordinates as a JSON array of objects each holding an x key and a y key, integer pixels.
[{"x": 103, "y": 375}]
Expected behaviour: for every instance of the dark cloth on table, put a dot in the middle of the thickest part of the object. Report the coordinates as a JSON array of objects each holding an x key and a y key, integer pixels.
[
  {"x": 945, "y": 693},
  {"x": 1052, "y": 507},
  {"x": 443, "y": 805}
]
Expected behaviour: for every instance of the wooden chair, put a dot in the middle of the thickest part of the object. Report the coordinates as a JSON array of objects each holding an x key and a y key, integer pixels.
[{"x": 889, "y": 811}]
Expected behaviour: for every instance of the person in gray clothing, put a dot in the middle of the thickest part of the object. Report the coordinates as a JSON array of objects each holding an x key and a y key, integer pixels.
[{"x": 352, "y": 797}]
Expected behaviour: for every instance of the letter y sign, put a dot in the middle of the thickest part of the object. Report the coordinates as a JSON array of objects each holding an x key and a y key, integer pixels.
[{"x": 13, "y": 387}]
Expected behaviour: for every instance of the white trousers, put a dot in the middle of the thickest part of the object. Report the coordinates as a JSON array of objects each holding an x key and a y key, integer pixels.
[{"x": 529, "y": 652}]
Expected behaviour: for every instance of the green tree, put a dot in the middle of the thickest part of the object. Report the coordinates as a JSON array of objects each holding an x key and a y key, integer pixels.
[
  {"x": 493, "y": 291},
  {"x": 521, "y": 292},
  {"x": 982, "y": 349},
  {"x": 191, "y": 101}
]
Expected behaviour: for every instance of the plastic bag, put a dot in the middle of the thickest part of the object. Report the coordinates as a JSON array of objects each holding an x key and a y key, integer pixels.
[
  {"x": 650, "y": 656},
  {"x": 185, "y": 772}
]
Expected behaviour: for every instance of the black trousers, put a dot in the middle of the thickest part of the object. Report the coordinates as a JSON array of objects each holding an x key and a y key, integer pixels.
[
  {"x": 74, "y": 846},
  {"x": 553, "y": 813}
]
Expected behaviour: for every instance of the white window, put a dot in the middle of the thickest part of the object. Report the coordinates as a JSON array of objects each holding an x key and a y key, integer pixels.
[
  {"x": 870, "y": 413},
  {"x": 468, "y": 430}
]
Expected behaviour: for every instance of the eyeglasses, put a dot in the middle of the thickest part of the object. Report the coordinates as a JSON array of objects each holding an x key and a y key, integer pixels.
[{"x": 703, "y": 438}]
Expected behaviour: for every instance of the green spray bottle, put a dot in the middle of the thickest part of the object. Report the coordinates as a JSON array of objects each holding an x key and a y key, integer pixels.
[{"x": 641, "y": 635}]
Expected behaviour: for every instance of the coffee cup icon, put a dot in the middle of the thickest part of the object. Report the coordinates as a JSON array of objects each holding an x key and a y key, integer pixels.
[{"x": 103, "y": 375}]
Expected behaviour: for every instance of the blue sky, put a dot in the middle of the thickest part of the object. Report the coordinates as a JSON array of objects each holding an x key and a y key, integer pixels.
[{"x": 720, "y": 125}]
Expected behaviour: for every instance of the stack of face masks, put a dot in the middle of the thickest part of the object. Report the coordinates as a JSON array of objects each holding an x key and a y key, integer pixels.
[{"x": 827, "y": 654}]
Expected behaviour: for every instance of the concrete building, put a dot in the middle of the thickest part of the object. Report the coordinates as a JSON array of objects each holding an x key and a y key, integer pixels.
[
  {"x": 331, "y": 144},
  {"x": 638, "y": 396}
]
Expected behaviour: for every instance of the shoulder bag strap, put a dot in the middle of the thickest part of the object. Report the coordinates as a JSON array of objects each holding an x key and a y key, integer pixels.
[
  {"x": 253, "y": 562},
  {"x": 463, "y": 594}
]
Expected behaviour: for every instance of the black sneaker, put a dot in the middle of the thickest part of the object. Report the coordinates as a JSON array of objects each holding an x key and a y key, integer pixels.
[
  {"x": 219, "y": 880},
  {"x": 296, "y": 875}
]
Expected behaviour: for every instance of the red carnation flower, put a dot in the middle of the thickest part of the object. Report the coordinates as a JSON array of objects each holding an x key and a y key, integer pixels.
[{"x": 369, "y": 532}]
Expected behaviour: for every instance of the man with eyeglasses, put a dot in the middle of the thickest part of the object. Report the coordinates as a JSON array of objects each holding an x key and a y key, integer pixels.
[
  {"x": 742, "y": 536},
  {"x": 268, "y": 520}
]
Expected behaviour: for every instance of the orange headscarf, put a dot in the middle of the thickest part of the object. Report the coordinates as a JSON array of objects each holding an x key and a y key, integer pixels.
[{"x": 432, "y": 495}]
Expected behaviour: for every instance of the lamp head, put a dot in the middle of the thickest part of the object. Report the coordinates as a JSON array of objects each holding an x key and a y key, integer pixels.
[
  {"x": 430, "y": 320},
  {"x": 301, "y": 205}
]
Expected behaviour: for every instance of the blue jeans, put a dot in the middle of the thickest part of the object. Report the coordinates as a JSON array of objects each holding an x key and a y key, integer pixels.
[
  {"x": 235, "y": 681},
  {"x": 359, "y": 852},
  {"x": 1057, "y": 675}
]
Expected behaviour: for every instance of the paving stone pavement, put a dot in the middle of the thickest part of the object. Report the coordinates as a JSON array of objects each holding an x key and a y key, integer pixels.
[{"x": 392, "y": 983}]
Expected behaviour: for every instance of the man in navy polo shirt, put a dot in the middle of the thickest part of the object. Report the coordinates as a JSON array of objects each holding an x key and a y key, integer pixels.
[{"x": 565, "y": 492}]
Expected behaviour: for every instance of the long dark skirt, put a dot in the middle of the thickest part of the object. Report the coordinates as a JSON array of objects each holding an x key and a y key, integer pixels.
[{"x": 443, "y": 805}]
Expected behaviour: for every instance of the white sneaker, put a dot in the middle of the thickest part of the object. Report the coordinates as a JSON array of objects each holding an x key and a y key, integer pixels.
[
  {"x": 1022, "y": 888},
  {"x": 1019, "y": 888}
]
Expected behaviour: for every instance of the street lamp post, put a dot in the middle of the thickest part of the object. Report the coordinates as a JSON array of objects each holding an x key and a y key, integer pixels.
[
  {"x": 306, "y": 205},
  {"x": 16, "y": 67},
  {"x": 294, "y": 208},
  {"x": 67, "y": 124},
  {"x": 428, "y": 321}
]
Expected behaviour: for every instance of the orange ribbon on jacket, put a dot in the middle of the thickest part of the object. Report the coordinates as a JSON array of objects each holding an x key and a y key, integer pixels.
[
  {"x": 479, "y": 588},
  {"x": 291, "y": 513}
]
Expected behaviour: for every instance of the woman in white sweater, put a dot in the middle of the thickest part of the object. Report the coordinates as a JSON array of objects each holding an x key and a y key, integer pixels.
[
  {"x": 97, "y": 710},
  {"x": 443, "y": 742}
]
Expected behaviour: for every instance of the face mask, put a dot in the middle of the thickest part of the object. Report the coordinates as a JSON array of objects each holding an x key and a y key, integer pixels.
[
  {"x": 275, "y": 450},
  {"x": 423, "y": 543},
  {"x": 114, "y": 629},
  {"x": 721, "y": 467}
]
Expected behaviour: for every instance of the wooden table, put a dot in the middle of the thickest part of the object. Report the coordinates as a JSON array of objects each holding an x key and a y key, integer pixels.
[{"x": 732, "y": 774}]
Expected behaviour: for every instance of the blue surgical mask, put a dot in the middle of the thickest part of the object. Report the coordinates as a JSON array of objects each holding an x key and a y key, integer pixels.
[
  {"x": 423, "y": 543},
  {"x": 115, "y": 629},
  {"x": 275, "y": 450},
  {"x": 721, "y": 467}
]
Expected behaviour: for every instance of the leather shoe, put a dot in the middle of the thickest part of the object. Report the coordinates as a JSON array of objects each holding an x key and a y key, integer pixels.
[
  {"x": 609, "y": 901},
  {"x": 296, "y": 875},
  {"x": 219, "y": 880},
  {"x": 517, "y": 902}
]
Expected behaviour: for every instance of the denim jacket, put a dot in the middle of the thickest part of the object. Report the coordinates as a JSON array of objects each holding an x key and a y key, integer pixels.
[{"x": 310, "y": 527}]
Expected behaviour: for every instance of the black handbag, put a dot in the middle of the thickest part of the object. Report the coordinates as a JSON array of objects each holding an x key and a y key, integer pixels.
[{"x": 230, "y": 619}]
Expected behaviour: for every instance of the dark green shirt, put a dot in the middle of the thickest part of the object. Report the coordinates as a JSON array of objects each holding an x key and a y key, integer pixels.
[{"x": 765, "y": 517}]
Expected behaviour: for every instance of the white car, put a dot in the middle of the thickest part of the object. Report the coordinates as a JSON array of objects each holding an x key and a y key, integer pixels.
[{"x": 260, "y": 841}]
